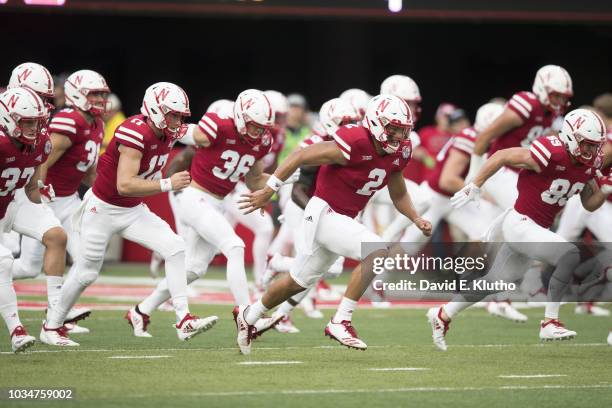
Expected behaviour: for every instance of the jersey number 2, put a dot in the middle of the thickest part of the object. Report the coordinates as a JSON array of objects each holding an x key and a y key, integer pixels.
[{"x": 377, "y": 176}]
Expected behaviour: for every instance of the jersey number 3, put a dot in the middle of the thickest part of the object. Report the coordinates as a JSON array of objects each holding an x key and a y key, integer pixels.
[{"x": 234, "y": 166}]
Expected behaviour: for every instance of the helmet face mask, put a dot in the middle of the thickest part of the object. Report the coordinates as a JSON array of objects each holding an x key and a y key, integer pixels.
[
  {"x": 23, "y": 115},
  {"x": 389, "y": 120},
  {"x": 583, "y": 133}
]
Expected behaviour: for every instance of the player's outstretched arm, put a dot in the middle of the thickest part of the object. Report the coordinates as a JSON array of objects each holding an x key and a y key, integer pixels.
[
  {"x": 256, "y": 179},
  {"x": 507, "y": 121},
  {"x": 130, "y": 185},
  {"x": 313, "y": 155},
  {"x": 450, "y": 177},
  {"x": 402, "y": 201}
]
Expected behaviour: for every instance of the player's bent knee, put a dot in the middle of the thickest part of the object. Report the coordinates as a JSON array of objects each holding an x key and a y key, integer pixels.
[
  {"x": 55, "y": 237},
  {"x": 172, "y": 247}
]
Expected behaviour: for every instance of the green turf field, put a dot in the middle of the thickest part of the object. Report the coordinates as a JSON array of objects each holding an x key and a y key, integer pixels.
[{"x": 206, "y": 372}]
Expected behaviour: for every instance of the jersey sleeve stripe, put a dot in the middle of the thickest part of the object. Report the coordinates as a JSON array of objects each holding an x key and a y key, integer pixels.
[
  {"x": 523, "y": 102},
  {"x": 65, "y": 128},
  {"x": 464, "y": 145},
  {"x": 129, "y": 139},
  {"x": 518, "y": 108},
  {"x": 342, "y": 143},
  {"x": 131, "y": 132},
  {"x": 210, "y": 123},
  {"x": 538, "y": 156},
  {"x": 543, "y": 149},
  {"x": 206, "y": 129},
  {"x": 346, "y": 155},
  {"x": 66, "y": 121}
]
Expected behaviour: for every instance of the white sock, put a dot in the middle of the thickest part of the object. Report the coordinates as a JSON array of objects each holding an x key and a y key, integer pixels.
[
  {"x": 160, "y": 295},
  {"x": 453, "y": 308},
  {"x": 285, "y": 308},
  {"x": 345, "y": 310},
  {"x": 8, "y": 302},
  {"x": 552, "y": 310},
  {"x": 176, "y": 279},
  {"x": 236, "y": 276},
  {"x": 256, "y": 310},
  {"x": 260, "y": 246},
  {"x": 54, "y": 290},
  {"x": 70, "y": 293}
]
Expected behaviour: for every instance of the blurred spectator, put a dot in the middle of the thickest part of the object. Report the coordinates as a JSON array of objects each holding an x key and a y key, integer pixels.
[
  {"x": 457, "y": 121},
  {"x": 59, "y": 100},
  {"x": 432, "y": 139},
  {"x": 297, "y": 124},
  {"x": 603, "y": 103},
  {"x": 113, "y": 117}
]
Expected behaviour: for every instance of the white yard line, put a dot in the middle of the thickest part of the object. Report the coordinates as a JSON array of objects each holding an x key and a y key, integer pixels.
[
  {"x": 136, "y": 357},
  {"x": 387, "y": 390},
  {"x": 252, "y": 363}
]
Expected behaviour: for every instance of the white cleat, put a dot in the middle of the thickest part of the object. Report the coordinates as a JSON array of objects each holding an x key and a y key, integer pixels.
[
  {"x": 264, "y": 324},
  {"x": 139, "y": 322},
  {"x": 21, "y": 340},
  {"x": 76, "y": 329},
  {"x": 285, "y": 325},
  {"x": 56, "y": 337},
  {"x": 345, "y": 334},
  {"x": 439, "y": 327},
  {"x": 245, "y": 331},
  {"x": 610, "y": 339},
  {"x": 591, "y": 309},
  {"x": 192, "y": 325},
  {"x": 506, "y": 310},
  {"x": 555, "y": 330}
]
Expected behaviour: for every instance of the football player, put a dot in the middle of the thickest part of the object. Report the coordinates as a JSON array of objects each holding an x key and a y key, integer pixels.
[
  {"x": 24, "y": 146},
  {"x": 76, "y": 134},
  {"x": 360, "y": 160},
  {"x": 128, "y": 170},
  {"x": 528, "y": 115},
  {"x": 229, "y": 148},
  {"x": 554, "y": 168}
]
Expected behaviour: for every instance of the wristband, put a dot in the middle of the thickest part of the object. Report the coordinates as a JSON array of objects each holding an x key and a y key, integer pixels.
[
  {"x": 165, "y": 184},
  {"x": 274, "y": 182}
]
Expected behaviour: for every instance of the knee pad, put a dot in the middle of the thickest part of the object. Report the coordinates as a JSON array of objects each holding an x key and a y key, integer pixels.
[{"x": 87, "y": 272}]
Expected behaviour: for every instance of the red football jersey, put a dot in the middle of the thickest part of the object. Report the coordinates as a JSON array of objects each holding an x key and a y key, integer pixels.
[
  {"x": 462, "y": 142},
  {"x": 18, "y": 165},
  {"x": 135, "y": 133},
  {"x": 347, "y": 189},
  {"x": 543, "y": 195},
  {"x": 537, "y": 122},
  {"x": 221, "y": 165},
  {"x": 66, "y": 174}
]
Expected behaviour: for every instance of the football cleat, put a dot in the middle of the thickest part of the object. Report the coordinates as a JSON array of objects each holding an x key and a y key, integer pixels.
[
  {"x": 139, "y": 322},
  {"x": 245, "y": 330},
  {"x": 21, "y": 340},
  {"x": 439, "y": 327},
  {"x": 505, "y": 310},
  {"x": 76, "y": 329},
  {"x": 590, "y": 308},
  {"x": 264, "y": 324},
  {"x": 285, "y": 325},
  {"x": 75, "y": 314},
  {"x": 555, "y": 330},
  {"x": 56, "y": 337},
  {"x": 192, "y": 325},
  {"x": 345, "y": 334}
]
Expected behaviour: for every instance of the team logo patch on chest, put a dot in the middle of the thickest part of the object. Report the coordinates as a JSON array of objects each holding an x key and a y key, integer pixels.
[
  {"x": 47, "y": 147},
  {"x": 406, "y": 151}
]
